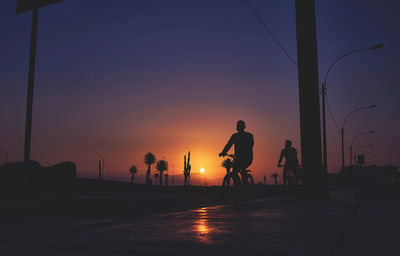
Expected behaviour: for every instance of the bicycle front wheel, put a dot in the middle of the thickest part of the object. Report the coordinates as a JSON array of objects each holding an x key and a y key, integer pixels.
[{"x": 229, "y": 181}]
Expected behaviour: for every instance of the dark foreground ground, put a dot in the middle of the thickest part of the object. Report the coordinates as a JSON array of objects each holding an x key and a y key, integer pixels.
[
  {"x": 354, "y": 223},
  {"x": 117, "y": 200}
]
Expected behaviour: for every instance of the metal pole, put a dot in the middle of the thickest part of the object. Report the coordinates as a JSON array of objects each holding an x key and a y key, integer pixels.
[
  {"x": 324, "y": 131},
  {"x": 351, "y": 155},
  {"x": 173, "y": 174},
  {"x": 99, "y": 170},
  {"x": 102, "y": 161},
  {"x": 310, "y": 119},
  {"x": 31, "y": 77},
  {"x": 342, "y": 147}
]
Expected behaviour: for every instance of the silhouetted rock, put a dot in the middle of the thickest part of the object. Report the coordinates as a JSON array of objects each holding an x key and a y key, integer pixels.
[{"x": 30, "y": 179}]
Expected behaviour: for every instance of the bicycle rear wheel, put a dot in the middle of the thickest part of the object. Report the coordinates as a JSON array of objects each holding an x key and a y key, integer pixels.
[{"x": 250, "y": 179}]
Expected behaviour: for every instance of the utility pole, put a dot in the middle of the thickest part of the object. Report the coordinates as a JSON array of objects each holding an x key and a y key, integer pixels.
[{"x": 310, "y": 123}]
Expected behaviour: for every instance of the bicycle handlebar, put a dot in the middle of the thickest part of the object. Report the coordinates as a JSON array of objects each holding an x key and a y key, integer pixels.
[{"x": 229, "y": 155}]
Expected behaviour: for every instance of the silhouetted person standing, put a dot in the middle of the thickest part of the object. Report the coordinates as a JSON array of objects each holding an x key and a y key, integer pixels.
[
  {"x": 291, "y": 160},
  {"x": 244, "y": 143}
]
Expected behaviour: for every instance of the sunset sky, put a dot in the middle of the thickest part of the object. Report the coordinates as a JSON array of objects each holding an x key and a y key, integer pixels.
[{"x": 122, "y": 78}]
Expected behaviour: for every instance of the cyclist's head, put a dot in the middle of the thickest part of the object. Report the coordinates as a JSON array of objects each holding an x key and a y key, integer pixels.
[
  {"x": 288, "y": 143},
  {"x": 240, "y": 126}
]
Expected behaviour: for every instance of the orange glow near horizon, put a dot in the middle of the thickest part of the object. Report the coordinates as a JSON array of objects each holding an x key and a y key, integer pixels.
[
  {"x": 169, "y": 133},
  {"x": 169, "y": 129}
]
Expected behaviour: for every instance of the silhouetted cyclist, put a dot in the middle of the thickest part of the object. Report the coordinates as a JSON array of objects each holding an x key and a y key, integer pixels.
[
  {"x": 291, "y": 160},
  {"x": 244, "y": 143}
]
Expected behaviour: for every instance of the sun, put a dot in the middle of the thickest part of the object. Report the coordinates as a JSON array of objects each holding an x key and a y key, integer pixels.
[{"x": 202, "y": 170}]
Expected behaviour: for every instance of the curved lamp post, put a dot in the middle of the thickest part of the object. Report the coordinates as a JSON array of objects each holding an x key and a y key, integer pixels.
[
  {"x": 344, "y": 122},
  {"x": 351, "y": 144},
  {"x": 323, "y": 92}
]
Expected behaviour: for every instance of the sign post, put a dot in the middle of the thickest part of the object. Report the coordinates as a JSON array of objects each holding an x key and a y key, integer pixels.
[
  {"x": 360, "y": 160},
  {"x": 24, "y": 6}
]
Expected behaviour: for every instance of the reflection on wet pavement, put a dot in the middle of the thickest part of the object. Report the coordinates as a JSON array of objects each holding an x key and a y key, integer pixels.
[
  {"x": 267, "y": 226},
  {"x": 216, "y": 225},
  {"x": 202, "y": 226},
  {"x": 226, "y": 227}
]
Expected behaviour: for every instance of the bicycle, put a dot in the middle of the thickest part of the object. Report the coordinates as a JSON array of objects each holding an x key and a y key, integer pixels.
[
  {"x": 292, "y": 177},
  {"x": 233, "y": 179}
]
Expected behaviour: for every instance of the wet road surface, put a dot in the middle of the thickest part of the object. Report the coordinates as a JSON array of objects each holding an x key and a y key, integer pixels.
[{"x": 273, "y": 226}]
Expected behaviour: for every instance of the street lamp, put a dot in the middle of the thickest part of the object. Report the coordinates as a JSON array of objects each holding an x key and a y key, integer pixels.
[
  {"x": 24, "y": 6},
  {"x": 351, "y": 144},
  {"x": 5, "y": 152},
  {"x": 101, "y": 165},
  {"x": 323, "y": 93},
  {"x": 344, "y": 122},
  {"x": 173, "y": 174}
]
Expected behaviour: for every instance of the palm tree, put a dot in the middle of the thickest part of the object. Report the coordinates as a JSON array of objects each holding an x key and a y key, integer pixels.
[
  {"x": 275, "y": 176},
  {"x": 133, "y": 171},
  {"x": 162, "y": 166},
  {"x": 227, "y": 164},
  {"x": 149, "y": 159}
]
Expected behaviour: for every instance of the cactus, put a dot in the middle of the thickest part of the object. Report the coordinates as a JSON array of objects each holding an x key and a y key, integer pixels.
[{"x": 186, "y": 169}]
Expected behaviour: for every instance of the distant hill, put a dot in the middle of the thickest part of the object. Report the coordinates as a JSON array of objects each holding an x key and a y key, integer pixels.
[{"x": 195, "y": 179}]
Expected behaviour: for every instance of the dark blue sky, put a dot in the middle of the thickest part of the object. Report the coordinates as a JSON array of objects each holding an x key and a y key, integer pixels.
[{"x": 109, "y": 70}]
